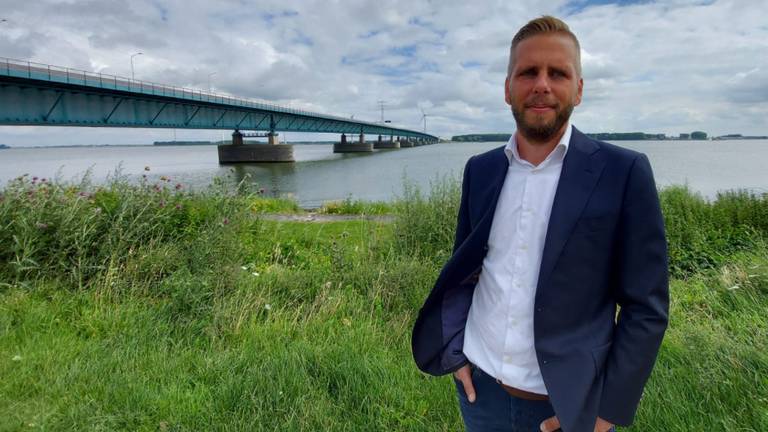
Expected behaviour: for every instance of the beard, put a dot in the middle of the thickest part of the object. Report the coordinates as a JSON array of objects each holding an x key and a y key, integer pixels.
[{"x": 541, "y": 131}]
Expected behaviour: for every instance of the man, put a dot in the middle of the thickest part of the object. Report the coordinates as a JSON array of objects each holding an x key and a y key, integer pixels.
[{"x": 552, "y": 308}]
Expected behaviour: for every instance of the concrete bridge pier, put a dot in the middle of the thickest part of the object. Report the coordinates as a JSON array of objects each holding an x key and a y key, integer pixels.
[
  {"x": 389, "y": 144},
  {"x": 405, "y": 143},
  {"x": 239, "y": 152},
  {"x": 352, "y": 147}
]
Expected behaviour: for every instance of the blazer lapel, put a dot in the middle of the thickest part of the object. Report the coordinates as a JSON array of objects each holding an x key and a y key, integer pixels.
[{"x": 581, "y": 170}]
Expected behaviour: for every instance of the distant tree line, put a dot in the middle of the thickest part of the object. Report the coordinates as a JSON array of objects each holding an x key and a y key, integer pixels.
[
  {"x": 482, "y": 137},
  {"x": 603, "y": 136}
]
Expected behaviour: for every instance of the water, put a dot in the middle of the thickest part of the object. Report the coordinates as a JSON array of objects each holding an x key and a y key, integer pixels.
[{"x": 320, "y": 175}]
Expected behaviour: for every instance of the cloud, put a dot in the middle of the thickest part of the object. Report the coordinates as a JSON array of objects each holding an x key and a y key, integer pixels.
[{"x": 669, "y": 67}]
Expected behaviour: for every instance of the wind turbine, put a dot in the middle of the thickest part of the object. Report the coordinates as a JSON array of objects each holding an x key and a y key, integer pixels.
[{"x": 424, "y": 119}]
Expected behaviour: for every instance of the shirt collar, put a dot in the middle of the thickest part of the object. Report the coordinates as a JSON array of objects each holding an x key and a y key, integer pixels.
[{"x": 556, "y": 155}]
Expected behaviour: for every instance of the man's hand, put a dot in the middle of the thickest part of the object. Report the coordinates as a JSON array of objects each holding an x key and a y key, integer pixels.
[
  {"x": 552, "y": 424},
  {"x": 465, "y": 376}
]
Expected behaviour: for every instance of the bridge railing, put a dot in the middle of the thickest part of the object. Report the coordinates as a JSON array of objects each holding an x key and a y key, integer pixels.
[{"x": 46, "y": 72}]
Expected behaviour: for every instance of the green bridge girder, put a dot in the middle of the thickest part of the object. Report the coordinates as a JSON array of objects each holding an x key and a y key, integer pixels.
[{"x": 33, "y": 94}]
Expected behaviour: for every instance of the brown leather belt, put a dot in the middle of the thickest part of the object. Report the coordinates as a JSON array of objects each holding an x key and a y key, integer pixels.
[{"x": 522, "y": 394}]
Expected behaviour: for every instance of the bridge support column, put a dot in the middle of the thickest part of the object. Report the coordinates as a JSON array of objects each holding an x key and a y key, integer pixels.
[
  {"x": 237, "y": 138},
  {"x": 405, "y": 143},
  {"x": 389, "y": 144},
  {"x": 272, "y": 139},
  {"x": 352, "y": 147},
  {"x": 239, "y": 152}
]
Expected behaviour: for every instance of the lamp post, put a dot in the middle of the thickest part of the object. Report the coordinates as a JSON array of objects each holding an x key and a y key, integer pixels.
[
  {"x": 209, "y": 80},
  {"x": 132, "y": 56}
]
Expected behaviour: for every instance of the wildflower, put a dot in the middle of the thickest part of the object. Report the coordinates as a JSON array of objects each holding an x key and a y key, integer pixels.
[
  {"x": 16, "y": 358},
  {"x": 83, "y": 194},
  {"x": 178, "y": 186},
  {"x": 156, "y": 187},
  {"x": 162, "y": 204},
  {"x": 261, "y": 191},
  {"x": 34, "y": 178},
  {"x": 41, "y": 226},
  {"x": 144, "y": 176},
  {"x": 178, "y": 206},
  {"x": 346, "y": 322},
  {"x": 225, "y": 221},
  {"x": 97, "y": 210},
  {"x": 163, "y": 178},
  {"x": 255, "y": 273},
  {"x": 244, "y": 267},
  {"x": 146, "y": 168},
  {"x": 43, "y": 180},
  {"x": 268, "y": 306}
]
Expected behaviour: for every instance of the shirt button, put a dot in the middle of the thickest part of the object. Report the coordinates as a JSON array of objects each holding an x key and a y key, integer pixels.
[{"x": 544, "y": 361}]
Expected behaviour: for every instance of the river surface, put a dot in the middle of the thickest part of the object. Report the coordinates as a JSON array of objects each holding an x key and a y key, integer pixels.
[{"x": 320, "y": 175}]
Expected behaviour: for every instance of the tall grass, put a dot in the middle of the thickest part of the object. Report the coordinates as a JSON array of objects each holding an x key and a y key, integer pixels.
[{"x": 121, "y": 311}]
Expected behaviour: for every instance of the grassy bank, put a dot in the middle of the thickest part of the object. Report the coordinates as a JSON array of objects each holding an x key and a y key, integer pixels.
[{"x": 153, "y": 308}]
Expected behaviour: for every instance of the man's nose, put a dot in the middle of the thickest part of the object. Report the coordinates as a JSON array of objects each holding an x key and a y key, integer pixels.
[{"x": 541, "y": 85}]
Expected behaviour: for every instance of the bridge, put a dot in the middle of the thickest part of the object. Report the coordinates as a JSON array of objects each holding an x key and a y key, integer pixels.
[{"x": 35, "y": 94}]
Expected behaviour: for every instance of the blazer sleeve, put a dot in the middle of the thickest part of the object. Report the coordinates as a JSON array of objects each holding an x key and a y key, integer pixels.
[
  {"x": 642, "y": 292},
  {"x": 463, "y": 225}
]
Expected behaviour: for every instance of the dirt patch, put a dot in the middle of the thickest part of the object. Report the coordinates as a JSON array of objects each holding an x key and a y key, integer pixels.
[{"x": 320, "y": 218}]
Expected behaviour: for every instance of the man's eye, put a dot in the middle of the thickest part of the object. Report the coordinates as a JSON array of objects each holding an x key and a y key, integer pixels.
[{"x": 557, "y": 73}]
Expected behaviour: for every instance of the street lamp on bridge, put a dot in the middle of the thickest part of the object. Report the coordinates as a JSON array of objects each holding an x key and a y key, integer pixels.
[
  {"x": 209, "y": 80},
  {"x": 132, "y": 56}
]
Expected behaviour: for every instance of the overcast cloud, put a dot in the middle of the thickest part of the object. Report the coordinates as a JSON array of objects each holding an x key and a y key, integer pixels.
[{"x": 658, "y": 67}]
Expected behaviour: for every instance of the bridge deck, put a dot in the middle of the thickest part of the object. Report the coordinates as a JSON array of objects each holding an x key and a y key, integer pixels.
[{"x": 40, "y": 94}]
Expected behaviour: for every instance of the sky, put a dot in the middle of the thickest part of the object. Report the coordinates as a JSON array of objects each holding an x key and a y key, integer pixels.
[{"x": 654, "y": 66}]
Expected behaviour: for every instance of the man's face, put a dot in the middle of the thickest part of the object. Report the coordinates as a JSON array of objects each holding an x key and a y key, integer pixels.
[{"x": 544, "y": 85}]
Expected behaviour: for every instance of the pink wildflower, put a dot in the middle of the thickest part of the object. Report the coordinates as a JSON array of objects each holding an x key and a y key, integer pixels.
[
  {"x": 178, "y": 186},
  {"x": 178, "y": 206},
  {"x": 225, "y": 221}
]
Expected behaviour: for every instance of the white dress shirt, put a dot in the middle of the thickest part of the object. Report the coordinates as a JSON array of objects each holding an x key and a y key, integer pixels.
[{"x": 498, "y": 337}]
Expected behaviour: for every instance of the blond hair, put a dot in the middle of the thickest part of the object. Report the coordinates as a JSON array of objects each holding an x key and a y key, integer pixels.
[{"x": 543, "y": 25}]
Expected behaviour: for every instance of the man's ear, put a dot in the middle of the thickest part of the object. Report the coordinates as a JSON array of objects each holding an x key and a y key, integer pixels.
[
  {"x": 508, "y": 97},
  {"x": 579, "y": 91}
]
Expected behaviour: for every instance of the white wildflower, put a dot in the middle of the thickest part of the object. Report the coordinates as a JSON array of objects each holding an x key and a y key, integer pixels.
[
  {"x": 268, "y": 306},
  {"x": 244, "y": 267},
  {"x": 255, "y": 273},
  {"x": 16, "y": 358}
]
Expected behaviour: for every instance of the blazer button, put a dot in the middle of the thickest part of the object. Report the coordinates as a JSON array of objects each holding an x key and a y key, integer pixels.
[{"x": 539, "y": 309}]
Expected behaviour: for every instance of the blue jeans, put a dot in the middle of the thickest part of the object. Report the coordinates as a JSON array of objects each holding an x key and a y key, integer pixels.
[{"x": 494, "y": 410}]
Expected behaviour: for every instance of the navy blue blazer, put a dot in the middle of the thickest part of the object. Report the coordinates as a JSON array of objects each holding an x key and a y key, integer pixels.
[{"x": 605, "y": 250}]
